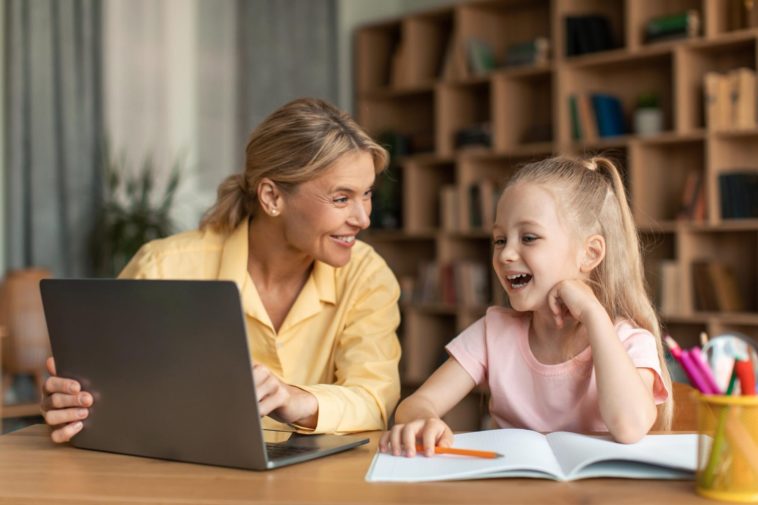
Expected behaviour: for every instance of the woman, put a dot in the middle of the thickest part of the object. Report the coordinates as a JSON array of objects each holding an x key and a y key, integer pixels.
[{"x": 320, "y": 306}]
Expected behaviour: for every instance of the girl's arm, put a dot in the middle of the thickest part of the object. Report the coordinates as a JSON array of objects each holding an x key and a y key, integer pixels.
[
  {"x": 417, "y": 419},
  {"x": 625, "y": 393}
]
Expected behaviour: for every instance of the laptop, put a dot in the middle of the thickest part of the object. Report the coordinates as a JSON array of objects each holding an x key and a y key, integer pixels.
[{"x": 168, "y": 365}]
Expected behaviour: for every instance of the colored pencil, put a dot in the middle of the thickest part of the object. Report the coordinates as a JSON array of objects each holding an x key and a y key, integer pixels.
[{"x": 462, "y": 452}]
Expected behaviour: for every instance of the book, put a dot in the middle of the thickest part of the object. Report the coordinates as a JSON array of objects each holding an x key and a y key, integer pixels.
[
  {"x": 561, "y": 456},
  {"x": 742, "y": 84},
  {"x": 717, "y": 91},
  {"x": 576, "y": 126},
  {"x": 481, "y": 59},
  {"x": 672, "y": 26},
  {"x": 609, "y": 115},
  {"x": 530, "y": 52}
]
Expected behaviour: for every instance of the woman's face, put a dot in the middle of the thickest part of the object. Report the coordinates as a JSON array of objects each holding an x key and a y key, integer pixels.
[{"x": 323, "y": 216}]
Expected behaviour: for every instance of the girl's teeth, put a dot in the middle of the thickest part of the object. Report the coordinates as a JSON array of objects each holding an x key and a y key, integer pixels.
[{"x": 519, "y": 280}]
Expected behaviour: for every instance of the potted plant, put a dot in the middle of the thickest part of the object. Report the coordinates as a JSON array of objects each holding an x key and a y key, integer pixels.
[
  {"x": 648, "y": 117},
  {"x": 133, "y": 211}
]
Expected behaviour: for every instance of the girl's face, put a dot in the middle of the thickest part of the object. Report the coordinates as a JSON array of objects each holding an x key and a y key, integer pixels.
[
  {"x": 533, "y": 249},
  {"x": 323, "y": 216}
]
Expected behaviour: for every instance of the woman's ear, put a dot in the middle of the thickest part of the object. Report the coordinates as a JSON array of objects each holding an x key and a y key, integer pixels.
[
  {"x": 269, "y": 197},
  {"x": 594, "y": 252}
]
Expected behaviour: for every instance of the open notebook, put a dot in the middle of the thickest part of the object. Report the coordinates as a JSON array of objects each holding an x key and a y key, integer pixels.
[{"x": 559, "y": 456}]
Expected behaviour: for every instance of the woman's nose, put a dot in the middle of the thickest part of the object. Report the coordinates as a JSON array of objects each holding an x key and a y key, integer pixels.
[{"x": 360, "y": 215}]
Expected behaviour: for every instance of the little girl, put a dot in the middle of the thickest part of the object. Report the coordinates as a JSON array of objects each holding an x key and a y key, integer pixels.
[{"x": 580, "y": 350}]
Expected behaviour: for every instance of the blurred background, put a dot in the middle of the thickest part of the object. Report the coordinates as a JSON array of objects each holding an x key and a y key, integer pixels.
[{"x": 119, "y": 118}]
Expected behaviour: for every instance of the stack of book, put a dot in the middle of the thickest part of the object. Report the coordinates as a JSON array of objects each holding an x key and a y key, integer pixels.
[
  {"x": 531, "y": 52},
  {"x": 459, "y": 283},
  {"x": 692, "y": 207},
  {"x": 730, "y": 99},
  {"x": 738, "y": 192},
  {"x": 673, "y": 26},
  {"x": 716, "y": 287},
  {"x": 588, "y": 34},
  {"x": 595, "y": 115}
]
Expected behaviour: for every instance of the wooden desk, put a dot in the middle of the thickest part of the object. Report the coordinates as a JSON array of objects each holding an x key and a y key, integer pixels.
[{"x": 34, "y": 470}]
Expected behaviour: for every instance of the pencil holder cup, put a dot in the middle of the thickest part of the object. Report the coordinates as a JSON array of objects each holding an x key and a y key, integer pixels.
[{"x": 727, "y": 448}]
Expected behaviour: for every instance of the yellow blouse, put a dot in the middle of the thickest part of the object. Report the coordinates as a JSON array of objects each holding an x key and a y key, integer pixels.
[{"x": 338, "y": 341}]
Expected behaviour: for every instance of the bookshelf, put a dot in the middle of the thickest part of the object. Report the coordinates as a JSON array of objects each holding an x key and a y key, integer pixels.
[{"x": 415, "y": 78}]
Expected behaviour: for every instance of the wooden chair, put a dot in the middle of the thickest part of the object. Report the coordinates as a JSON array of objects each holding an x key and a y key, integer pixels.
[
  {"x": 685, "y": 407},
  {"x": 27, "y": 345}
]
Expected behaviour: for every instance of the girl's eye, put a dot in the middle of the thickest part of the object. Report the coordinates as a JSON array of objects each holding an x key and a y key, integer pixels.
[
  {"x": 498, "y": 242},
  {"x": 528, "y": 238}
]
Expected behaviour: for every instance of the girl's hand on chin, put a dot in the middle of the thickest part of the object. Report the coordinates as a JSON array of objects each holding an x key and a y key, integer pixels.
[{"x": 571, "y": 297}]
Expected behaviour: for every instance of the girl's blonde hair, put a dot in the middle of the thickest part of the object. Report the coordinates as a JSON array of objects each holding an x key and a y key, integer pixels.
[
  {"x": 591, "y": 196},
  {"x": 296, "y": 143}
]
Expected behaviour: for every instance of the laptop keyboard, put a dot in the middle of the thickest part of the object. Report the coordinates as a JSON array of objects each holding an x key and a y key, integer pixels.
[{"x": 282, "y": 451}]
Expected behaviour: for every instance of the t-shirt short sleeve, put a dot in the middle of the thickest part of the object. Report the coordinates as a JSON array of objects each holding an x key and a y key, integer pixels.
[
  {"x": 642, "y": 350},
  {"x": 470, "y": 350}
]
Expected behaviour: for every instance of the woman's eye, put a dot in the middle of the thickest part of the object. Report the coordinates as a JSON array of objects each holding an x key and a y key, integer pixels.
[
  {"x": 341, "y": 199},
  {"x": 368, "y": 194}
]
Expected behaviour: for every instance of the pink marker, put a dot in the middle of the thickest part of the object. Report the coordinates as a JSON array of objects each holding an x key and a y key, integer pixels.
[
  {"x": 685, "y": 360},
  {"x": 699, "y": 360}
]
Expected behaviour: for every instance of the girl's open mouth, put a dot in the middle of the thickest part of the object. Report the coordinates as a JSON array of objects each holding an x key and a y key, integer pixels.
[{"x": 518, "y": 281}]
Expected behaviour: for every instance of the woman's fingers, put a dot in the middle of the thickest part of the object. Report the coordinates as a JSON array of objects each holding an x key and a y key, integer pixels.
[
  {"x": 60, "y": 385},
  {"x": 270, "y": 391},
  {"x": 66, "y": 433},
  {"x": 62, "y": 401},
  {"x": 50, "y": 364},
  {"x": 64, "y": 416}
]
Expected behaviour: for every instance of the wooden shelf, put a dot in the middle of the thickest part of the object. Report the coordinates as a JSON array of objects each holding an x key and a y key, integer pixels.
[
  {"x": 526, "y": 111},
  {"x": 21, "y": 410}
]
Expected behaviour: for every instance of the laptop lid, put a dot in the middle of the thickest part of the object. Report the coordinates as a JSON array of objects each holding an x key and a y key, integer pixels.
[{"x": 168, "y": 365}]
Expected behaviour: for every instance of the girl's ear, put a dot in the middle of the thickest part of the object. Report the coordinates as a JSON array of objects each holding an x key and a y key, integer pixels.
[
  {"x": 269, "y": 197},
  {"x": 594, "y": 252}
]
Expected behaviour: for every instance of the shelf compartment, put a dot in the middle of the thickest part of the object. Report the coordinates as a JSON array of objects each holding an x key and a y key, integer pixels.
[
  {"x": 659, "y": 173},
  {"x": 614, "y": 10},
  {"x": 409, "y": 115},
  {"x": 693, "y": 61},
  {"x": 737, "y": 250},
  {"x": 423, "y": 340},
  {"x": 729, "y": 153},
  {"x": 625, "y": 80},
  {"x": 522, "y": 110},
  {"x": 421, "y": 200},
  {"x": 639, "y": 13},
  {"x": 728, "y": 16},
  {"x": 500, "y": 24},
  {"x": 461, "y": 106},
  {"x": 374, "y": 49}
]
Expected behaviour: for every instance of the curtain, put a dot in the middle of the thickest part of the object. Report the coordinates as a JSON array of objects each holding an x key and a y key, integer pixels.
[
  {"x": 287, "y": 49},
  {"x": 53, "y": 108}
]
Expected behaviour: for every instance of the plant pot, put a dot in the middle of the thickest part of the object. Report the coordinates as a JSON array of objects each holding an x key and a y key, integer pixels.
[{"x": 648, "y": 121}]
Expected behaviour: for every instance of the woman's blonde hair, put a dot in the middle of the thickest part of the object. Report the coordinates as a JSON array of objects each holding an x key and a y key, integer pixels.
[
  {"x": 296, "y": 143},
  {"x": 591, "y": 196}
]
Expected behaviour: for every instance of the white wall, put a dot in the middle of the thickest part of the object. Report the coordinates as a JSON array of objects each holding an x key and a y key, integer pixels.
[
  {"x": 354, "y": 13},
  {"x": 2, "y": 143}
]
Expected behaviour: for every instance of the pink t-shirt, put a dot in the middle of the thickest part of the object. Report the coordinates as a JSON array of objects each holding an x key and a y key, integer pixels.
[{"x": 525, "y": 393}]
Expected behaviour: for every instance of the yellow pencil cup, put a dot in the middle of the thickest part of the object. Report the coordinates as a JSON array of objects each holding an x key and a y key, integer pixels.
[{"x": 727, "y": 448}]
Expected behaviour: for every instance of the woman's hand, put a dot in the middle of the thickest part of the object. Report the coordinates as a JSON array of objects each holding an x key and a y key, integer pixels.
[
  {"x": 64, "y": 405},
  {"x": 574, "y": 298},
  {"x": 429, "y": 433},
  {"x": 285, "y": 403}
]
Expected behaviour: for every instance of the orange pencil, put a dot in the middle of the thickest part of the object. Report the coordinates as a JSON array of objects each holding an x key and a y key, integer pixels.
[{"x": 462, "y": 452}]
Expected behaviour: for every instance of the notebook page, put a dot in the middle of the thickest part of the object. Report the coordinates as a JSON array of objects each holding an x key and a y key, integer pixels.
[
  {"x": 584, "y": 455},
  {"x": 523, "y": 450}
]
